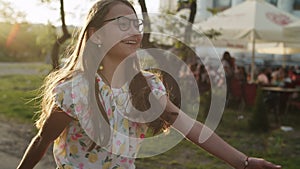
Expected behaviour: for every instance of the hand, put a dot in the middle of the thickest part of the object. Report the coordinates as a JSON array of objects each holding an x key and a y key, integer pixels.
[{"x": 259, "y": 163}]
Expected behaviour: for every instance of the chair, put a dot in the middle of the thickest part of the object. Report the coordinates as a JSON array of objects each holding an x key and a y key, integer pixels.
[
  {"x": 297, "y": 81},
  {"x": 235, "y": 91},
  {"x": 294, "y": 103},
  {"x": 249, "y": 91},
  {"x": 290, "y": 85}
]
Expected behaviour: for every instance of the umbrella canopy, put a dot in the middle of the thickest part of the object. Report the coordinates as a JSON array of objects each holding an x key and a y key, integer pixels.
[
  {"x": 252, "y": 18},
  {"x": 252, "y": 21},
  {"x": 281, "y": 48},
  {"x": 292, "y": 29},
  {"x": 278, "y": 48}
]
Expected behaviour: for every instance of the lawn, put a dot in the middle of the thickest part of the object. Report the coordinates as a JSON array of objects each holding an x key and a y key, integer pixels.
[
  {"x": 275, "y": 145},
  {"x": 17, "y": 95}
]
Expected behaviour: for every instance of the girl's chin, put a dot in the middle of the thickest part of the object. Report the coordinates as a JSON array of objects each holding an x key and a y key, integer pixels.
[
  {"x": 130, "y": 54},
  {"x": 130, "y": 51}
]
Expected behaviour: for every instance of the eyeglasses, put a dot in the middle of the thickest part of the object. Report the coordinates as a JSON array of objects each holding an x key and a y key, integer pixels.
[{"x": 125, "y": 23}]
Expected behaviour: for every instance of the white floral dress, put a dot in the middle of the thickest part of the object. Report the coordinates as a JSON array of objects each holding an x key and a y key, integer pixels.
[{"x": 70, "y": 148}]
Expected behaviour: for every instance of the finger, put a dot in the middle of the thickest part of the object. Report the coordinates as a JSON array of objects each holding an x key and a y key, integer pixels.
[{"x": 269, "y": 165}]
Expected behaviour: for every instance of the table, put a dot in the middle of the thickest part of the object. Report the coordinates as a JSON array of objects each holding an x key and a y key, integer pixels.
[
  {"x": 281, "y": 89},
  {"x": 281, "y": 100}
]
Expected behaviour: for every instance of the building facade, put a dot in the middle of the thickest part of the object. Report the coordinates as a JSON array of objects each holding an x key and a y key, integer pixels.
[{"x": 291, "y": 6}]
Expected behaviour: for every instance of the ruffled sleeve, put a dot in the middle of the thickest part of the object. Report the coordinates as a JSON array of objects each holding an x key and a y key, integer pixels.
[
  {"x": 157, "y": 87},
  {"x": 70, "y": 96}
]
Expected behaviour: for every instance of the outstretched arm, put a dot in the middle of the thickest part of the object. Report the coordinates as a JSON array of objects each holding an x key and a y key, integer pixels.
[
  {"x": 214, "y": 144},
  {"x": 53, "y": 127}
]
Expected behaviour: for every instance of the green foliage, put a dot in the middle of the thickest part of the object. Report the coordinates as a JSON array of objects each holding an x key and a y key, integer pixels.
[
  {"x": 259, "y": 120},
  {"x": 28, "y": 42},
  {"x": 46, "y": 39}
]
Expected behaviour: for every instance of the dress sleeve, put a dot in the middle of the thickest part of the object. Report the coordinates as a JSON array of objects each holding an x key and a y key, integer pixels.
[
  {"x": 70, "y": 96},
  {"x": 157, "y": 87}
]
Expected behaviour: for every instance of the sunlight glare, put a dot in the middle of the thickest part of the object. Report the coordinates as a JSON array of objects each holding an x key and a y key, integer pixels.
[{"x": 75, "y": 10}]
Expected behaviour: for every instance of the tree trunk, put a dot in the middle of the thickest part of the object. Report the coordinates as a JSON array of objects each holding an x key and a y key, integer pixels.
[
  {"x": 147, "y": 27},
  {"x": 186, "y": 49},
  {"x": 66, "y": 35},
  {"x": 193, "y": 10}
]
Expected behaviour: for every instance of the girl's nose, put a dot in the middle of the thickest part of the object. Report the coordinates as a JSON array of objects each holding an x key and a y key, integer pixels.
[
  {"x": 134, "y": 30},
  {"x": 136, "y": 26}
]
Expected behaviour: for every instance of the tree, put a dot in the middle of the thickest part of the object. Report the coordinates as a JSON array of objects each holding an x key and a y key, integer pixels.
[
  {"x": 192, "y": 4},
  {"x": 188, "y": 29},
  {"x": 168, "y": 80},
  {"x": 66, "y": 35},
  {"x": 193, "y": 11},
  {"x": 9, "y": 14},
  {"x": 185, "y": 51},
  {"x": 146, "y": 37},
  {"x": 45, "y": 40}
]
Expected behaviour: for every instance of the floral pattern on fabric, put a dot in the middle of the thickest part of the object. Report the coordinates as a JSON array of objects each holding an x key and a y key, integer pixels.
[{"x": 70, "y": 148}]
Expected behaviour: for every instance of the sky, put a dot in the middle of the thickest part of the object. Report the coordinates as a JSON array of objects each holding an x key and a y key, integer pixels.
[{"x": 38, "y": 12}]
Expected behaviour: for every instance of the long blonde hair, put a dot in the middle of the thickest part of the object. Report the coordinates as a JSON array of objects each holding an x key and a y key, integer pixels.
[
  {"x": 138, "y": 87},
  {"x": 94, "y": 19}
]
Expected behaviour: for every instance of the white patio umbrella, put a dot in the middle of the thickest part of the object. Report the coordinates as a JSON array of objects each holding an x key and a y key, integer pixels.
[
  {"x": 278, "y": 48},
  {"x": 281, "y": 48},
  {"x": 252, "y": 21},
  {"x": 292, "y": 29}
]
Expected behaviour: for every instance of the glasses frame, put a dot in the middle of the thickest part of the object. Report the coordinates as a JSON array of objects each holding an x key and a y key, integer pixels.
[{"x": 140, "y": 23}]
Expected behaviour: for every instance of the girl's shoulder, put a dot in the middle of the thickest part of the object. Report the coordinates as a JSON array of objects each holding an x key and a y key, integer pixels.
[
  {"x": 151, "y": 75},
  {"x": 75, "y": 80},
  {"x": 147, "y": 73},
  {"x": 71, "y": 95},
  {"x": 155, "y": 83},
  {"x": 153, "y": 78}
]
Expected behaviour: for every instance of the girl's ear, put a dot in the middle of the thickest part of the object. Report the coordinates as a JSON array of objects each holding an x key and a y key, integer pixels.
[{"x": 93, "y": 36}]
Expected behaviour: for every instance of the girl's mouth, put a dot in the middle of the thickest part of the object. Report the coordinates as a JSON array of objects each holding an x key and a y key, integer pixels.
[{"x": 130, "y": 42}]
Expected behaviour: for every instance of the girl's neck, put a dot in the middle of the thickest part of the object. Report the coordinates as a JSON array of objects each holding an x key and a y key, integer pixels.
[{"x": 109, "y": 70}]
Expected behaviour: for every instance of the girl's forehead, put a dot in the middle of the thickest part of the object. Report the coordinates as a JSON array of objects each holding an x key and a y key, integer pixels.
[{"x": 119, "y": 9}]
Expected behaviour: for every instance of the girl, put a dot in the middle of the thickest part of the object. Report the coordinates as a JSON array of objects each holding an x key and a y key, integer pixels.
[{"x": 86, "y": 85}]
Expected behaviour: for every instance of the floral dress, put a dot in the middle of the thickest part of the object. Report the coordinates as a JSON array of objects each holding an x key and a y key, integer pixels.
[{"x": 71, "y": 147}]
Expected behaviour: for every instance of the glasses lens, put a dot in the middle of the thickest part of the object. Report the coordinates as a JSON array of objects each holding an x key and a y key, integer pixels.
[
  {"x": 124, "y": 23},
  {"x": 138, "y": 24}
]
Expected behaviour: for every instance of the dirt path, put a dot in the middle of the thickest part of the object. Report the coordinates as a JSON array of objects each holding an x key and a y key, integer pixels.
[
  {"x": 13, "y": 141},
  {"x": 15, "y": 137}
]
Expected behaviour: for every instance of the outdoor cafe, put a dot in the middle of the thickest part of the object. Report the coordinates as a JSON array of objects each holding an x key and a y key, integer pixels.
[{"x": 254, "y": 28}]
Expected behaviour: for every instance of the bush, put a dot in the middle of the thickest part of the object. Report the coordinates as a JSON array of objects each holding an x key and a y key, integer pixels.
[{"x": 259, "y": 119}]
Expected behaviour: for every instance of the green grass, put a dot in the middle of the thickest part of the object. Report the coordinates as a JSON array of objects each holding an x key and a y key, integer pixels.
[
  {"x": 35, "y": 67},
  {"x": 277, "y": 146},
  {"x": 17, "y": 92}
]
